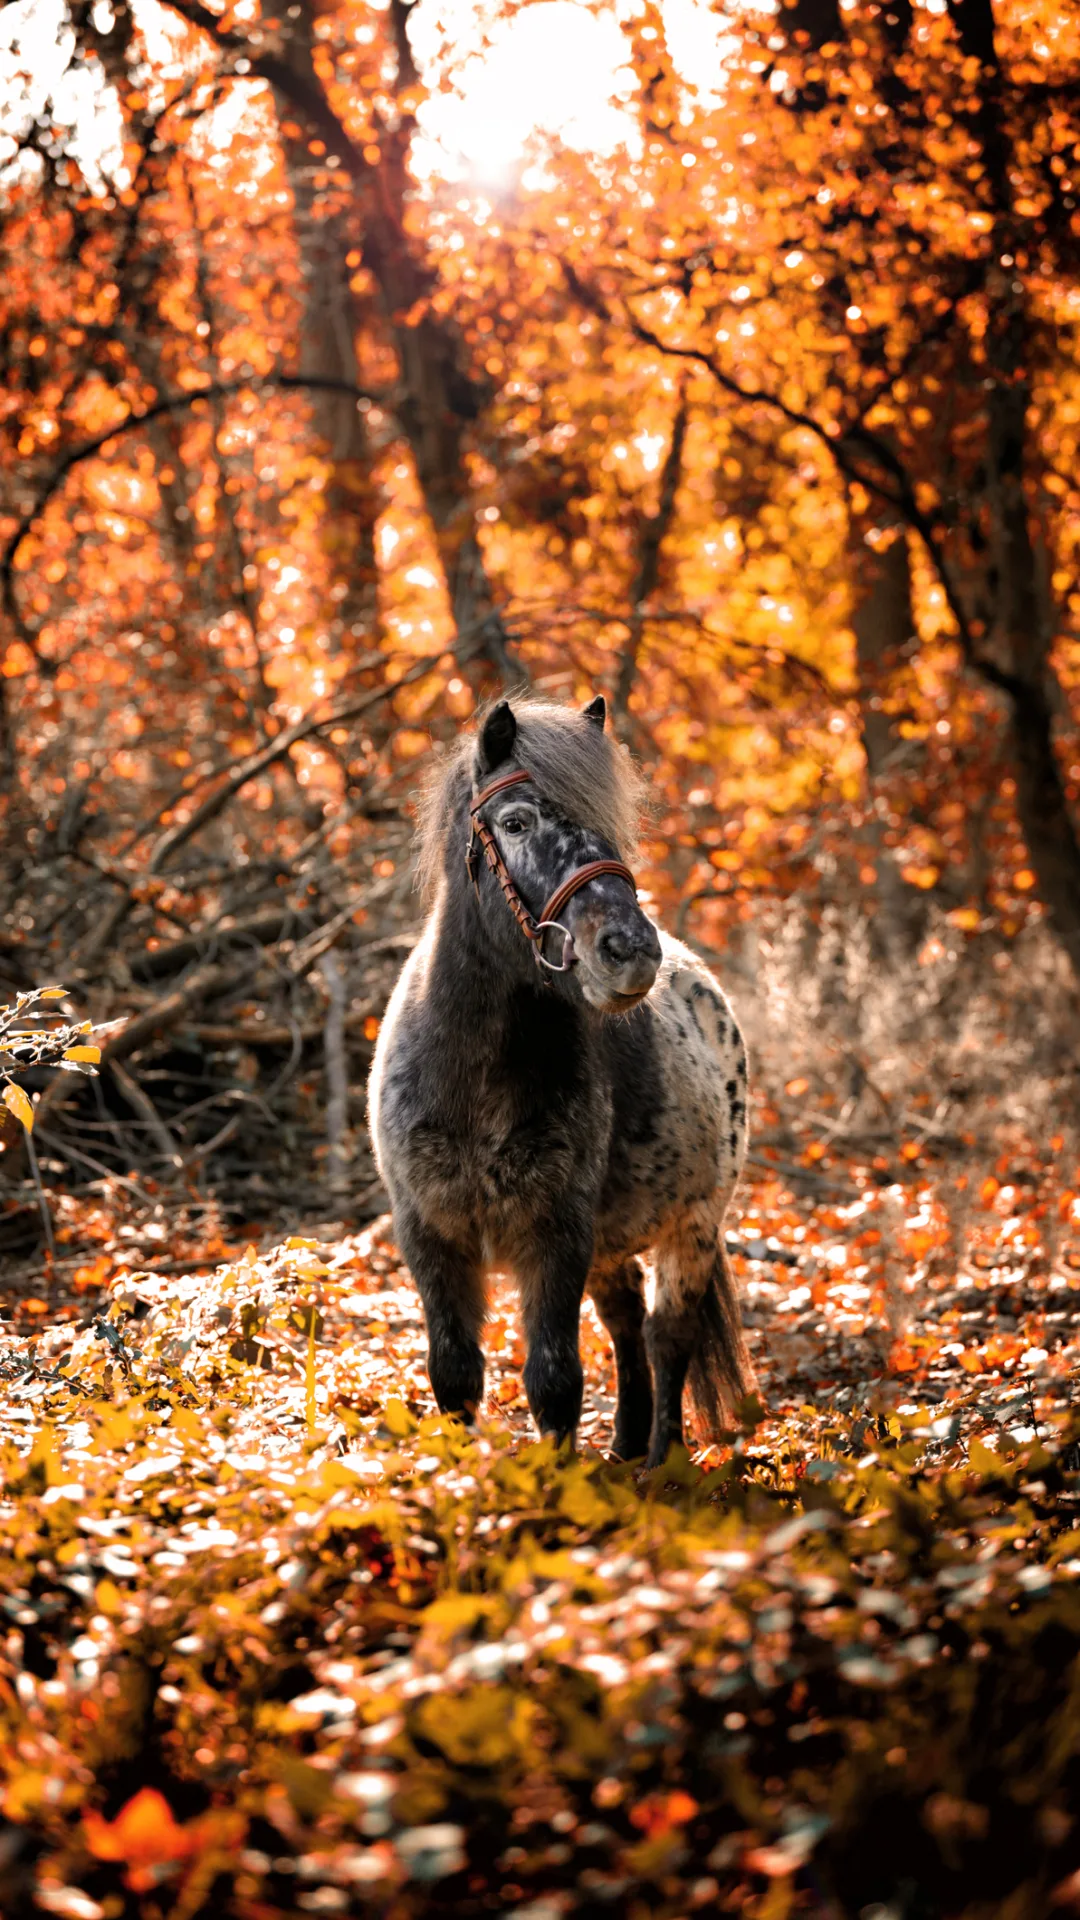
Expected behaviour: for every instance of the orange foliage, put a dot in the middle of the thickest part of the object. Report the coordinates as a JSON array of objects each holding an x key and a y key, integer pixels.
[
  {"x": 149, "y": 1842},
  {"x": 698, "y": 381}
]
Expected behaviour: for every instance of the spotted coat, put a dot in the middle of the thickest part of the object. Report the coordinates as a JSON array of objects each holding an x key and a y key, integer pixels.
[{"x": 517, "y": 1126}]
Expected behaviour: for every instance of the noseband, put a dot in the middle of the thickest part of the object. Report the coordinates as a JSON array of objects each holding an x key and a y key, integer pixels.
[{"x": 534, "y": 930}]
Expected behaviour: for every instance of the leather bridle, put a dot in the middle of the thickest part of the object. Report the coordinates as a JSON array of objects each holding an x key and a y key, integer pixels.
[{"x": 534, "y": 930}]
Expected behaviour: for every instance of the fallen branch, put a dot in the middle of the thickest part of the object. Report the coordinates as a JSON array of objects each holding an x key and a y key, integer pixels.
[
  {"x": 167, "y": 1013},
  {"x": 261, "y": 1033},
  {"x": 324, "y": 938},
  {"x": 154, "y": 1020},
  {"x": 108, "y": 1175},
  {"x": 262, "y": 929},
  {"x": 257, "y": 763},
  {"x": 141, "y": 1103},
  {"x": 791, "y": 1170}
]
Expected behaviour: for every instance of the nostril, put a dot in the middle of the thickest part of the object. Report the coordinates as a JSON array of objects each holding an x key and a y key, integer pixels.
[{"x": 614, "y": 948}]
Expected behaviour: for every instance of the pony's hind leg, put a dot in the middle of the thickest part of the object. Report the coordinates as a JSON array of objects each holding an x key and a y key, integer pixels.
[
  {"x": 450, "y": 1284},
  {"x": 694, "y": 1328},
  {"x": 618, "y": 1295}
]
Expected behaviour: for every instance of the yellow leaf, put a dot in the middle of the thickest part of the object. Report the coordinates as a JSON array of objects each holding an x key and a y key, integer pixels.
[
  {"x": 582, "y": 1501},
  {"x": 460, "y": 1612},
  {"x": 82, "y": 1053},
  {"x": 52, "y": 993},
  {"x": 24, "y": 1795},
  {"x": 187, "y": 1426},
  {"x": 308, "y": 1788},
  {"x": 397, "y": 1419},
  {"x": 45, "y": 1454},
  {"x": 17, "y": 1103},
  {"x": 488, "y": 1727},
  {"x": 18, "y": 659}
]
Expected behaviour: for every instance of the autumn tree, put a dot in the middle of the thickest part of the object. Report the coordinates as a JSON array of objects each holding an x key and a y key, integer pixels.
[
  {"x": 875, "y": 249},
  {"x": 702, "y": 420}
]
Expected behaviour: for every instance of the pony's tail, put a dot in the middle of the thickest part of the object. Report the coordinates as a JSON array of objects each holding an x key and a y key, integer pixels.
[{"x": 721, "y": 1373}]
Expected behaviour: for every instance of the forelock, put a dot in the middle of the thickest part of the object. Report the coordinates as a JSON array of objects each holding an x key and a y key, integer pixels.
[{"x": 581, "y": 770}]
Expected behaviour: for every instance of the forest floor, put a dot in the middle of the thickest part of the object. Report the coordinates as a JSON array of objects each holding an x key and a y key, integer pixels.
[{"x": 280, "y": 1641}]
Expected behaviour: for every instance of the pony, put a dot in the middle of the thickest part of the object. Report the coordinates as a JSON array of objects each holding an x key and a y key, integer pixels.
[{"x": 559, "y": 1088}]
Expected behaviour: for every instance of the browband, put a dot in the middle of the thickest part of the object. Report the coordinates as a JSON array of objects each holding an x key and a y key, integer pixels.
[{"x": 496, "y": 786}]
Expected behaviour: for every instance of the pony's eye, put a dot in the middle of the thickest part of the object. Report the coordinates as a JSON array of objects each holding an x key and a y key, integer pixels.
[{"x": 514, "y": 823}]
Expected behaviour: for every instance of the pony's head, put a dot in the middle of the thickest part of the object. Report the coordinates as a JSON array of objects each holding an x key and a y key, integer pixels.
[{"x": 577, "y": 806}]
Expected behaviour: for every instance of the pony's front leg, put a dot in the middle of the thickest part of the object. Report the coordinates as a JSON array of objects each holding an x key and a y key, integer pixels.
[
  {"x": 450, "y": 1284},
  {"x": 551, "y": 1274},
  {"x": 619, "y": 1298}
]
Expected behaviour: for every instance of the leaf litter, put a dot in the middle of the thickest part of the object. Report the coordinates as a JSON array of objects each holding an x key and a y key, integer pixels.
[{"x": 280, "y": 1640}]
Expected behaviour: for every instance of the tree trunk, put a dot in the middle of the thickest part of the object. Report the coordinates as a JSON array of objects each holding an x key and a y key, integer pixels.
[
  {"x": 655, "y": 528},
  {"x": 438, "y": 397},
  {"x": 1019, "y": 634},
  {"x": 1018, "y": 625},
  {"x": 329, "y": 324},
  {"x": 883, "y": 622},
  {"x": 1048, "y": 829}
]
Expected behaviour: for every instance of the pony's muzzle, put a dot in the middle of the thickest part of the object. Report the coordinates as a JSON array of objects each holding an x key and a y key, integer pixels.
[{"x": 627, "y": 957}]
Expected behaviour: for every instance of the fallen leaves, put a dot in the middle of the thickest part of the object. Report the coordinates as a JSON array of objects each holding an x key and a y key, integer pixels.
[
  {"x": 150, "y": 1843},
  {"x": 368, "y": 1656}
]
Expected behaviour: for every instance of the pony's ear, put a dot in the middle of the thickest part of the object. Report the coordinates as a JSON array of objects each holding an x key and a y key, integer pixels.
[
  {"x": 596, "y": 711},
  {"x": 497, "y": 736}
]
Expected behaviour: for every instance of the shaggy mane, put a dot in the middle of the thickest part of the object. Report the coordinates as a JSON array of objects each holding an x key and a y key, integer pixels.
[{"x": 591, "y": 779}]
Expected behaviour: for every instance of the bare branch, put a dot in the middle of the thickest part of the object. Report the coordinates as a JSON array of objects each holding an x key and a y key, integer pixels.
[
  {"x": 256, "y": 763},
  {"x": 307, "y": 96},
  {"x": 859, "y": 454}
]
